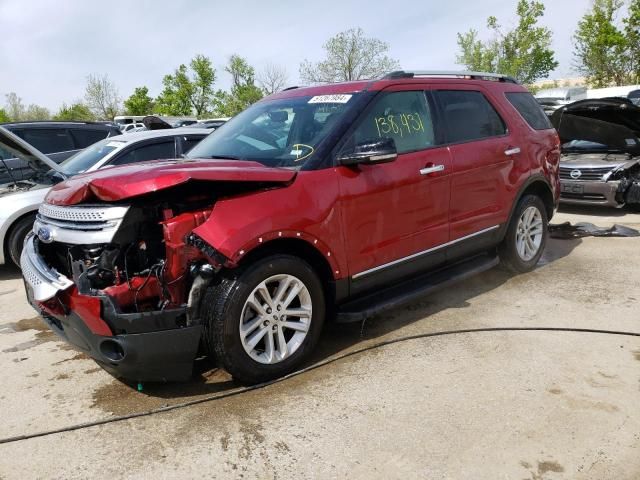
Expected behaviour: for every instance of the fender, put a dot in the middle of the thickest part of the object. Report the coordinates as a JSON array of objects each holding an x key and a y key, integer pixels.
[{"x": 307, "y": 209}]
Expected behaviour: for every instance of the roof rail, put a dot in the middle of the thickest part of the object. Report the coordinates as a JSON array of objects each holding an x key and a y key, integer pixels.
[{"x": 444, "y": 73}]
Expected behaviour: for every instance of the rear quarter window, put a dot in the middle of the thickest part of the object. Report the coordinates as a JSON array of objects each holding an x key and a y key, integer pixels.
[
  {"x": 529, "y": 108},
  {"x": 469, "y": 116}
]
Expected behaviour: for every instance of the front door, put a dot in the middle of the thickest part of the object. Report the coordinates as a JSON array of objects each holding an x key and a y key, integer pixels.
[{"x": 395, "y": 215}]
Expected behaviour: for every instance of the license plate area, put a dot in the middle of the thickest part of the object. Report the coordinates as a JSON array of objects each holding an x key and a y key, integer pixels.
[{"x": 574, "y": 188}]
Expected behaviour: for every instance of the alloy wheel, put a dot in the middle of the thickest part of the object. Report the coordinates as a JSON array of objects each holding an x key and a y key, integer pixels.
[{"x": 275, "y": 319}]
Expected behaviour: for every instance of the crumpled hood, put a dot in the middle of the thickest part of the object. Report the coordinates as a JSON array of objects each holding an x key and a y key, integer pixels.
[{"x": 119, "y": 183}]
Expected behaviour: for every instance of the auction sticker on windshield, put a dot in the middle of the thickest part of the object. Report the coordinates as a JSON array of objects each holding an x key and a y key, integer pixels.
[{"x": 338, "y": 98}]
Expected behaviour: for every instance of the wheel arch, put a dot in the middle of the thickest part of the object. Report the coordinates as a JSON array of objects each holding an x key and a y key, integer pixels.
[
  {"x": 9, "y": 230},
  {"x": 536, "y": 185}
]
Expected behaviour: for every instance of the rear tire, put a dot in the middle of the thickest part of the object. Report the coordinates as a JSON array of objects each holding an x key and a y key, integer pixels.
[
  {"x": 526, "y": 235},
  {"x": 262, "y": 321},
  {"x": 18, "y": 233}
]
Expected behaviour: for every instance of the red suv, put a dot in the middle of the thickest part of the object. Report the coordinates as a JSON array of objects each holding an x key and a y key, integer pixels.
[{"x": 328, "y": 202}]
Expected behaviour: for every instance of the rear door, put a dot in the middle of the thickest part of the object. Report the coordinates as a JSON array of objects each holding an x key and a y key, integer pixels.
[
  {"x": 395, "y": 215},
  {"x": 484, "y": 152}
]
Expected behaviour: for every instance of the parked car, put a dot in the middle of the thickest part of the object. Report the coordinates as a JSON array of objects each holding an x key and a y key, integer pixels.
[
  {"x": 132, "y": 127},
  {"x": 374, "y": 193},
  {"x": 553, "y": 98},
  {"x": 600, "y": 163},
  {"x": 211, "y": 123},
  {"x": 57, "y": 140},
  {"x": 19, "y": 200}
]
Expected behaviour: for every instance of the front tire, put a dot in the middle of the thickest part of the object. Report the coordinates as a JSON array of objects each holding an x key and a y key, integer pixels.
[
  {"x": 18, "y": 233},
  {"x": 526, "y": 235},
  {"x": 263, "y": 320}
]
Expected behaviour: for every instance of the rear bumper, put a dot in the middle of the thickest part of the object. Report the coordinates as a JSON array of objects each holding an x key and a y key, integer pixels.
[
  {"x": 589, "y": 193},
  {"x": 148, "y": 346}
]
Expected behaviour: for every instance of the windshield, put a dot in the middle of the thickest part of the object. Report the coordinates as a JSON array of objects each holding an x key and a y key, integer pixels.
[
  {"x": 88, "y": 157},
  {"x": 584, "y": 145},
  {"x": 277, "y": 133}
]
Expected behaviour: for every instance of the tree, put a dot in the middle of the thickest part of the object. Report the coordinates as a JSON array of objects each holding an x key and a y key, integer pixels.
[
  {"x": 139, "y": 103},
  {"x": 350, "y": 56},
  {"x": 36, "y": 112},
  {"x": 632, "y": 33},
  {"x": 244, "y": 91},
  {"x": 14, "y": 107},
  {"x": 77, "y": 111},
  {"x": 273, "y": 78},
  {"x": 523, "y": 53},
  {"x": 4, "y": 117},
  {"x": 601, "y": 51},
  {"x": 102, "y": 97},
  {"x": 182, "y": 93}
]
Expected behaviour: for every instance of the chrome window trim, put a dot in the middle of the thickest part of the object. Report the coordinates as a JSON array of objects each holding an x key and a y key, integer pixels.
[{"x": 424, "y": 252}]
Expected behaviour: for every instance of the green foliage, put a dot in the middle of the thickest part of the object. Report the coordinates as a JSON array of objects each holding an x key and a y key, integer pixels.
[
  {"x": 36, "y": 112},
  {"x": 78, "y": 112},
  {"x": 102, "y": 97},
  {"x": 632, "y": 33},
  {"x": 523, "y": 52},
  {"x": 4, "y": 117},
  {"x": 601, "y": 48},
  {"x": 184, "y": 93},
  {"x": 350, "y": 56},
  {"x": 244, "y": 91},
  {"x": 139, "y": 103}
]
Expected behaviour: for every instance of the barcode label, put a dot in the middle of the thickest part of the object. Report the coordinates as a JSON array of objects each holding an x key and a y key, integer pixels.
[{"x": 339, "y": 98}]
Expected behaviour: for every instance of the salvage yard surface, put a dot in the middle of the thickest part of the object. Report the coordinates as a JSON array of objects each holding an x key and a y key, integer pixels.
[{"x": 524, "y": 405}]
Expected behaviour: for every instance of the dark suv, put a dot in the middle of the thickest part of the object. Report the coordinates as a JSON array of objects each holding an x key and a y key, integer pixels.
[
  {"x": 329, "y": 202},
  {"x": 57, "y": 140}
]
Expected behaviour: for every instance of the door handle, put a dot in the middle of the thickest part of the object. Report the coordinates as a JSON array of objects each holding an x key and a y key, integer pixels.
[
  {"x": 512, "y": 151},
  {"x": 431, "y": 169}
]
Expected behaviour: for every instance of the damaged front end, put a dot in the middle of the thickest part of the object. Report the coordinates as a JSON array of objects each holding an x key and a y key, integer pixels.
[
  {"x": 123, "y": 282},
  {"x": 115, "y": 268},
  {"x": 600, "y": 163}
]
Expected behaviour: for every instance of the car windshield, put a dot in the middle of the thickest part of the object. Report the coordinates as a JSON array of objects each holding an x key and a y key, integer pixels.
[
  {"x": 584, "y": 145},
  {"x": 88, "y": 157},
  {"x": 277, "y": 133}
]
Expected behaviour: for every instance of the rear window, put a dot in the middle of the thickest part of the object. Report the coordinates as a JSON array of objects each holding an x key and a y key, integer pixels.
[
  {"x": 85, "y": 137},
  {"x": 47, "y": 140},
  {"x": 469, "y": 116},
  {"x": 529, "y": 109}
]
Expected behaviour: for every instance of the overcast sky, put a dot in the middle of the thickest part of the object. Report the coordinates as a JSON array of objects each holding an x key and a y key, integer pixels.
[{"x": 48, "y": 48}]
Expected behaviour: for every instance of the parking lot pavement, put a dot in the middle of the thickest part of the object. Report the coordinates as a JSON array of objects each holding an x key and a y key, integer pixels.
[{"x": 532, "y": 405}]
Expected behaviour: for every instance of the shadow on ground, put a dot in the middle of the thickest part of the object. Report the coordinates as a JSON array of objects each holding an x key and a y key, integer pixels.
[
  {"x": 9, "y": 272},
  {"x": 595, "y": 211}
]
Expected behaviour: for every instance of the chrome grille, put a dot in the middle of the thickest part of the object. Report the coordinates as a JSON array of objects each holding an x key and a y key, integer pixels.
[
  {"x": 586, "y": 174},
  {"x": 78, "y": 225},
  {"x": 82, "y": 214}
]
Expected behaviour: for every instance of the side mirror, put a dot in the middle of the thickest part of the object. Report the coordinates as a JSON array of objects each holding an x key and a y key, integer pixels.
[{"x": 371, "y": 152}]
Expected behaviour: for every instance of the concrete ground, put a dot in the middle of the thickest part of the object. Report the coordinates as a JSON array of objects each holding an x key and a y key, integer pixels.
[{"x": 500, "y": 405}]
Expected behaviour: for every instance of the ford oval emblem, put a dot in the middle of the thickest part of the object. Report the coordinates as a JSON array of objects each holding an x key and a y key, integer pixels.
[
  {"x": 575, "y": 174},
  {"x": 44, "y": 234}
]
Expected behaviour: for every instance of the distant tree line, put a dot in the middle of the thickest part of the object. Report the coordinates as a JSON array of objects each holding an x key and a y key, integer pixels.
[{"x": 606, "y": 51}]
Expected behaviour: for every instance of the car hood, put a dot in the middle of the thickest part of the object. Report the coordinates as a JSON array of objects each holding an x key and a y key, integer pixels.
[
  {"x": 120, "y": 183},
  {"x": 614, "y": 122},
  {"x": 595, "y": 160},
  {"x": 18, "y": 148}
]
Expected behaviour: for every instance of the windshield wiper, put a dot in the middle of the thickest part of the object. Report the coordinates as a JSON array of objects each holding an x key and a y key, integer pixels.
[{"x": 223, "y": 157}]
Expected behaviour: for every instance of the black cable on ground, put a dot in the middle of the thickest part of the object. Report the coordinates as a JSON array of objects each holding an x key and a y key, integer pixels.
[{"x": 211, "y": 398}]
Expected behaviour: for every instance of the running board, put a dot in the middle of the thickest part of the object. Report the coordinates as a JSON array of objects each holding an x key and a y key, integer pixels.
[{"x": 412, "y": 289}]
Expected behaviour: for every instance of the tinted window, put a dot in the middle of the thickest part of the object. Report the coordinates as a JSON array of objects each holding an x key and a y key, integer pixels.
[
  {"x": 530, "y": 110},
  {"x": 469, "y": 116},
  {"x": 47, "y": 140},
  {"x": 84, "y": 138},
  {"x": 88, "y": 157},
  {"x": 403, "y": 116},
  {"x": 155, "y": 151},
  {"x": 189, "y": 142}
]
